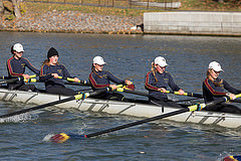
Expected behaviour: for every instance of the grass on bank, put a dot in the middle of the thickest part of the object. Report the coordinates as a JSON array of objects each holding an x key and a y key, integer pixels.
[
  {"x": 200, "y": 5},
  {"x": 210, "y": 5},
  {"x": 39, "y": 8},
  {"x": 43, "y": 7}
]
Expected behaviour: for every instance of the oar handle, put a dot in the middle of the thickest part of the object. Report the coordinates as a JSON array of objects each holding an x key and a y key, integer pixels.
[
  {"x": 84, "y": 82},
  {"x": 199, "y": 107},
  {"x": 80, "y": 81},
  {"x": 237, "y": 95},
  {"x": 32, "y": 76},
  {"x": 186, "y": 94},
  {"x": 32, "y": 80}
]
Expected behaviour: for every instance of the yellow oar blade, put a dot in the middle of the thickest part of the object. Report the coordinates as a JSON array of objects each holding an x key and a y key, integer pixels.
[
  {"x": 59, "y": 138},
  {"x": 232, "y": 158}
]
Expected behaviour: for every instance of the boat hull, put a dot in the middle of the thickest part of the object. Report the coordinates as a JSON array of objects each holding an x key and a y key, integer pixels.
[{"x": 124, "y": 108}]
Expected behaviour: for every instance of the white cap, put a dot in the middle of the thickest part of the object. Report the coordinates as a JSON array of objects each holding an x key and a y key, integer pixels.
[
  {"x": 215, "y": 66},
  {"x": 98, "y": 60},
  {"x": 160, "y": 61},
  {"x": 18, "y": 48}
]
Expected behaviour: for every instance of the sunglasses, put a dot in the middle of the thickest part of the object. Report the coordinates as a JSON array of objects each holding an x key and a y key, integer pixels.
[{"x": 216, "y": 72}]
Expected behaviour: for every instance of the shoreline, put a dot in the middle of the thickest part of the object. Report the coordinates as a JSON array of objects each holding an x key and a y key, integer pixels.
[
  {"x": 124, "y": 33},
  {"x": 131, "y": 32},
  {"x": 89, "y": 23}
]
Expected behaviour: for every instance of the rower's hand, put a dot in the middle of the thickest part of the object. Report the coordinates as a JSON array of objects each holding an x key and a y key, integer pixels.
[
  {"x": 76, "y": 79},
  {"x": 181, "y": 92},
  {"x": 26, "y": 76},
  {"x": 128, "y": 82},
  {"x": 113, "y": 86},
  {"x": 55, "y": 75},
  {"x": 163, "y": 90},
  {"x": 231, "y": 96}
]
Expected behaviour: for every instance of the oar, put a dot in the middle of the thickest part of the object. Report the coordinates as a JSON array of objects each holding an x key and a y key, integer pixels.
[
  {"x": 232, "y": 158},
  {"x": 141, "y": 93},
  {"x": 62, "y": 137},
  {"x": 83, "y": 82},
  {"x": 68, "y": 83},
  {"x": 190, "y": 94},
  {"x": 186, "y": 100},
  {"x": 32, "y": 76},
  {"x": 10, "y": 80},
  {"x": 32, "y": 80},
  {"x": 7, "y": 77},
  {"x": 3, "y": 77},
  {"x": 75, "y": 97},
  {"x": 236, "y": 101}
]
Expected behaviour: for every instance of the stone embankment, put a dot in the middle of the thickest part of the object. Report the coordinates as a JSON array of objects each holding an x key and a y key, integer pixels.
[
  {"x": 193, "y": 23},
  {"x": 72, "y": 21}
]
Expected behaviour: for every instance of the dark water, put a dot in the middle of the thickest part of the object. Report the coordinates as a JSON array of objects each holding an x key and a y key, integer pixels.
[{"x": 127, "y": 57}]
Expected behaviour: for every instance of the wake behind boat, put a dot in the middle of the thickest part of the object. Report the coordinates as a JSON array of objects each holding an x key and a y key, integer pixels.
[{"x": 135, "y": 108}]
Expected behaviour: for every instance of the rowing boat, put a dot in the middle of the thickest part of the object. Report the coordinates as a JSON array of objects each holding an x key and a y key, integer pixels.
[{"x": 123, "y": 108}]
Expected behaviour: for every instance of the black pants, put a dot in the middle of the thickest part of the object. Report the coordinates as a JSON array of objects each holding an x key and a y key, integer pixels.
[
  {"x": 110, "y": 96},
  {"x": 22, "y": 87},
  {"x": 224, "y": 107},
  {"x": 164, "y": 103},
  {"x": 58, "y": 89}
]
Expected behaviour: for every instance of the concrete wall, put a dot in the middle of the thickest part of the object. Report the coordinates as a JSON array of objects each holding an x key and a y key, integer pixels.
[{"x": 208, "y": 23}]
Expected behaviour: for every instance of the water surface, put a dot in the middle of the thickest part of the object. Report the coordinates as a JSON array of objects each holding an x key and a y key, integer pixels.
[{"x": 128, "y": 56}]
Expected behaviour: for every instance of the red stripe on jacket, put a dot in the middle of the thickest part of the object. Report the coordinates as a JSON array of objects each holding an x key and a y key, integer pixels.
[
  {"x": 10, "y": 68},
  {"x": 211, "y": 89},
  {"x": 41, "y": 71},
  {"x": 147, "y": 85},
  {"x": 94, "y": 83}
]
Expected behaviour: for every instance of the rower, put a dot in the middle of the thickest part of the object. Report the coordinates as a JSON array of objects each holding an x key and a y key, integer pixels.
[
  {"x": 16, "y": 68},
  {"x": 51, "y": 70},
  {"x": 214, "y": 88},
  {"x": 100, "y": 79},
  {"x": 158, "y": 80}
]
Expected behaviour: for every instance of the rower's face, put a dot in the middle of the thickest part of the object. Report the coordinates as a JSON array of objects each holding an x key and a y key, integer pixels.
[
  {"x": 98, "y": 67},
  {"x": 214, "y": 74},
  {"x": 18, "y": 55},
  {"x": 160, "y": 69},
  {"x": 53, "y": 59}
]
